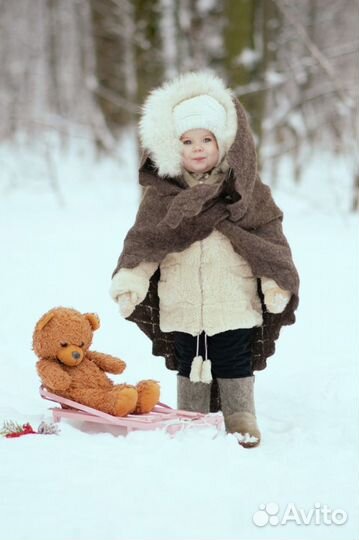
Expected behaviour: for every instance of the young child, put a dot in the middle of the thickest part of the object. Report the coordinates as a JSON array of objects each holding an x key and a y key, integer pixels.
[{"x": 206, "y": 271}]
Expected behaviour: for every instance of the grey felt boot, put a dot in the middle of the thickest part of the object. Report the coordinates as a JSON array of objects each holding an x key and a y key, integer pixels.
[
  {"x": 237, "y": 399},
  {"x": 192, "y": 396}
]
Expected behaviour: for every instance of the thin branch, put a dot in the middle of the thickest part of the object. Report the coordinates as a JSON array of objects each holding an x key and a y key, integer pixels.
[
  {"x": 257, "y": 86},
  {"x": 312, "y": 96},
  {"x": 116, "y": 99},
  {"x": 316, "y": 53}
]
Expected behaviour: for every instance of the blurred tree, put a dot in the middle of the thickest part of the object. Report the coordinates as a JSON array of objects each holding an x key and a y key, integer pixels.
[
  {"x": 315, "y": 96},
  {"x": 200, "y": 35},
  {"x": 243, "y": 42},
  {"x": 114, "y": 37},
  {"x": 88, "y": 65},
  {"x": 129, "y": 56},
  {"x": 48, "y": 69},
  {"x": 168, "y": 27},
  {"x": 149, "y": 55}
]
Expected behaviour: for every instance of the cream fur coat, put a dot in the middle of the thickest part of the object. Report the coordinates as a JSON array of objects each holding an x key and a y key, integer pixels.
[{"x": 208, "y": 286}]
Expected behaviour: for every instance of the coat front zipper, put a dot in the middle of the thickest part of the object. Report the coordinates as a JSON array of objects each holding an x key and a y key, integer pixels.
[
  {"x": 201, "y": 281},
  {"x": 201, "y": 276}
]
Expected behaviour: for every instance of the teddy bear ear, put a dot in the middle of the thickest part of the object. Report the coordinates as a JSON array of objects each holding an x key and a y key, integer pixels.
[
  {"x": 44, "y": 320},
  {"x": 93, "y": 319}
]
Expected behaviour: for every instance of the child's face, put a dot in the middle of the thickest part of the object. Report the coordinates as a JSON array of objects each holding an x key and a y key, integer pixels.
[{"x": 199, "y": 150}]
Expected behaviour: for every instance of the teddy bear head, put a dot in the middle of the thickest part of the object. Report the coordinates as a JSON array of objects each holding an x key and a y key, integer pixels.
[{"x": 64, "y": 334}]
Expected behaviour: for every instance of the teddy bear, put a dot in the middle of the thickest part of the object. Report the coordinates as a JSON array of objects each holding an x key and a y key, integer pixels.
[{"x": 61, "y": 339}]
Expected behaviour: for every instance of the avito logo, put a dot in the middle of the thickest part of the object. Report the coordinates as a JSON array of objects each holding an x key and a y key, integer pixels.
[{"x": 319, "y": 514}]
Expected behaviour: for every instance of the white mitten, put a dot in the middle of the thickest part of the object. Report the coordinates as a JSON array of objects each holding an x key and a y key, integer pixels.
[
  {"x": 130, "y": 285},
  {"x": 276, "y": 299},
  {"x": 127, "y": 302}
]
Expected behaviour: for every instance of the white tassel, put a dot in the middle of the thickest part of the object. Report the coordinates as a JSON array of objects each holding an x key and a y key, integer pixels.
[
  {"x": 196, "y": 369},
  {"x": 206, "y": 373}
]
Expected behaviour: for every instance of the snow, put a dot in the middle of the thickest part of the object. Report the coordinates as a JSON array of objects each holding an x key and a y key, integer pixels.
[
  {"x": 245, "y": 438},
  {"x": 88, "y": 482},
  {"x": 273, "y": 77},
  {"x": 248, "y": 58}
]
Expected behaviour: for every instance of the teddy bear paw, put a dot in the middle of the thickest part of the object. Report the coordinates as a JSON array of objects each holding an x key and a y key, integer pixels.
[
  {"x": 124, "y": 399},
  {"x": 148, "y": 396}
]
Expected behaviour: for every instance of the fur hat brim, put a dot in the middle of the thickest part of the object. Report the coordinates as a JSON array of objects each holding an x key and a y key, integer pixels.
[{"x": 156, "y": 126}]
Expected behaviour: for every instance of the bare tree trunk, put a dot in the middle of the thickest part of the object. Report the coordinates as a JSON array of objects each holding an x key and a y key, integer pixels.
[
  {"x": 48, "y": 69},
  {"x": 200, "y": 35},
  {"x": 169, "y": 37},
  {"x": 242, "y": 39},
  {"x": 355, "y": 200}
]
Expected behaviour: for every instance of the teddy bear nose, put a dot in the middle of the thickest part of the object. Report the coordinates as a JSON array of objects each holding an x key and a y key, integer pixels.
[{"x": 76, "y": 355}]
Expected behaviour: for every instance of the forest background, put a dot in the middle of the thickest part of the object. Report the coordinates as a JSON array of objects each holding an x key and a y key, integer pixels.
[{"x": 81, "y": 69}]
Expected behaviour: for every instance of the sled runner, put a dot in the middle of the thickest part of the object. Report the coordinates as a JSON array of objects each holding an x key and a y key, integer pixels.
[{"x": 162, "y": 416}]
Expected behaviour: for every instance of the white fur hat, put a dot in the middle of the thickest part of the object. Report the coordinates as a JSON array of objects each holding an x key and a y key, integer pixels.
[{"x": 193, "y": 100}]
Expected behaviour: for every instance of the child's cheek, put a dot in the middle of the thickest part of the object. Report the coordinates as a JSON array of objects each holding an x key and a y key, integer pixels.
[{"x": 184, "y": 157}]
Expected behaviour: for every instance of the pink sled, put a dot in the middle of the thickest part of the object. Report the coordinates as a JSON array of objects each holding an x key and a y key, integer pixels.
[{"x": 161, "y": 417}]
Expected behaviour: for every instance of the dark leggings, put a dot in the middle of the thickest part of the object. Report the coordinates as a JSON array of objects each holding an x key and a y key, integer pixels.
[{"x": 229, "y": 352}]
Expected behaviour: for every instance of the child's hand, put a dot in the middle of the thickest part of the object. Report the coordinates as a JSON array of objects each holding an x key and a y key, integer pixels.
[
  {"x": 276, "y": 299},
  {"x": 127, "y": 303}
]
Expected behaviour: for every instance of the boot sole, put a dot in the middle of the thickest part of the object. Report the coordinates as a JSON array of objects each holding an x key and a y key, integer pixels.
[{"x": 249, "y": 445}]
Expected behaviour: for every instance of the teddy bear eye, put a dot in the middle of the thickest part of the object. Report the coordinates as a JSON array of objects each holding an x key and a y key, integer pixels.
[
  {"x": 82, "y": 344},
  {"x": 64, "y": 344}
]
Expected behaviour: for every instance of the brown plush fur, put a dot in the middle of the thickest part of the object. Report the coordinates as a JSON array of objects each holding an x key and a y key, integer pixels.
[{"x": 68, "y": 368}]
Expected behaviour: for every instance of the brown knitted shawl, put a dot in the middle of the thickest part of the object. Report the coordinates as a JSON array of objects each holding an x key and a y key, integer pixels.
[{"x": 172, "y": 216}]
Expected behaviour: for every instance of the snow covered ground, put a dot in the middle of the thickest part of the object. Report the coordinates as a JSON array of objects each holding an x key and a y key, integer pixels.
[{"x": 88, "y": 483}]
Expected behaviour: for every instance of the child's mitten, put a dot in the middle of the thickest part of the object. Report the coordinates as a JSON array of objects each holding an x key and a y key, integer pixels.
[
  {"x": 127, "y": 303},
  {"x": 129, "y": 286},
  {"x": 276, "y": 299}
]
